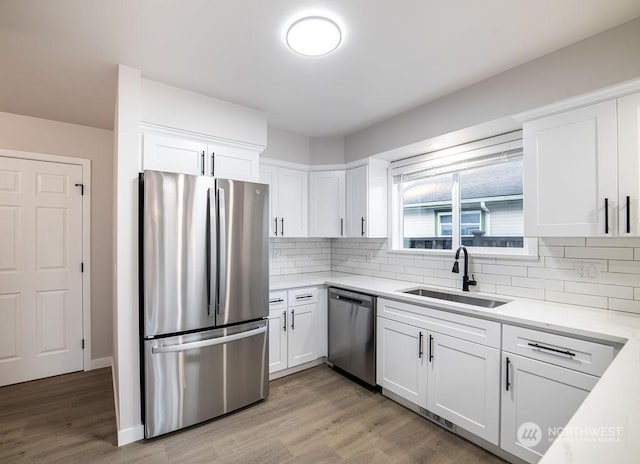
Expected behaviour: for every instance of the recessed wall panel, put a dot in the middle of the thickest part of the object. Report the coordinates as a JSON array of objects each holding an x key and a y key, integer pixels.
[
  {"x": 51, "y": 318},
  {"x": 51, "y": 238}
]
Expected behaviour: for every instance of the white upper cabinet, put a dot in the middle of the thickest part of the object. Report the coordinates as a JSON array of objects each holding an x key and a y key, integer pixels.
[
  {"x": 229, "y": 162},
  {"x": 629, "y": 165},
  {"x": 186, "y": 156},
  {"x": 366, "y": 201},
  {"x": 571, "y": 173},
  {"x": 173, "y": 154},
  {"x": 327, "y": 204},
  {"x": 289, "y": 200}
]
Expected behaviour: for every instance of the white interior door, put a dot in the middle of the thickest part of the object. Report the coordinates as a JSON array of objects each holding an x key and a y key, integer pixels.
[{"x": 40, "y": 273}]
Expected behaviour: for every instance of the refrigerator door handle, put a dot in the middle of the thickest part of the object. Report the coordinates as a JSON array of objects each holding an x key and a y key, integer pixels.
[
  {"x": 222, "y": 251},
  {"x": 211, "y": 264},
  {"x": 208, "y": 342}
]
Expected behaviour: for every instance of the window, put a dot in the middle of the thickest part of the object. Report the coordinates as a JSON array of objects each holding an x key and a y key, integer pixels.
[{"x": 472, "y": 198}]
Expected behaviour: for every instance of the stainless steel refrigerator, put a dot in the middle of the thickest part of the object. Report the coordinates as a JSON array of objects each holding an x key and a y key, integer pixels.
[{"x": 204, "y": 287}]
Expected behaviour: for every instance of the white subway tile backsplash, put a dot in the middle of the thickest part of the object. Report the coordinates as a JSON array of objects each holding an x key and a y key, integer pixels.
[
  {"x": 585, "y": 288},
  {"x": 599, "y": 253},
  {"x": 576, "y": 299},
  {"x": 631, "y": 306},
  {"x": 624, "y": 242},
  {"x": 562, "y": 241},
  {"x": 550, "y": 277},
  {"x": 631, "y": 267}
]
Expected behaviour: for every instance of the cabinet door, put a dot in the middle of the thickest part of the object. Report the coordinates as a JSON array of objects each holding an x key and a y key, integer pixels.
[
  {"x": 570, "y": 171},
  {"x": 629, "y": 164},
  {"x": 356, "y": 190},
  {"x": 401, "y": 362},
  {"x": 303, "y": 340},
  {"x": 293, "y": 203},
  {"x": 232, "y": 163},
  {"x": 173, "y": 154},
  {"x": 539, "y": 399},
  {"x": 326, "y": 204},
  {"x": 463, "y": 384},
  {"x": 277, "y": 340},
  {"x": 269, "y": 176}
]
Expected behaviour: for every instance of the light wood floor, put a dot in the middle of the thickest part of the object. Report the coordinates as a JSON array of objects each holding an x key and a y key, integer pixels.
[{"x": 316, "y": 416}]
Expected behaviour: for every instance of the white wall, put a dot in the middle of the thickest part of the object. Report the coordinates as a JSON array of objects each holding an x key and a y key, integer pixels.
[
  {"x": 24, "y": 133},
  {"x": 126, "y": 354},
  {"x": 287, "y": 146},
  {"x": 327, "y": 150},
  {"x": 604, "y": 59},
  {"x": 178, "y": 108}
]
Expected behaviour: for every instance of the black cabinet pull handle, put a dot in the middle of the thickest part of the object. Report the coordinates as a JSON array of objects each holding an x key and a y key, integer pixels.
[
  {"x": 202, "y": 161},
  {"x": 507, "y": 383},
  {"x": 213, "y": 164},
  {"x": 284, "y": 326},
  {"x": 293, "y": 319},
  {"x": 362, "y": 226},
  {"x": 276, "y": 221},
  {"x": 419, "y": 344},
  {"x": 606, "y": 215},
  {"x": 276, "y": 300},
  {"x": 542, "y": 347},
  {"x": 430, "y": 348},
  {"x": 341, "y": 227},
  {"x": 282, "y": 227},
  {"x": 303, "y": 297},
  {"x": 628, "y": 214}
]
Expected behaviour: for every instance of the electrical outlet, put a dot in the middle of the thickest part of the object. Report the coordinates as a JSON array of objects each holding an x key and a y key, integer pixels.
[{"x": 587, "y": 270}]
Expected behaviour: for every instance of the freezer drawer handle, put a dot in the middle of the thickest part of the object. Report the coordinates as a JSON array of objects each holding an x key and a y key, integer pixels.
[
  {"x": 209, "y": 342},
  {"x": 542, "y": 347}
]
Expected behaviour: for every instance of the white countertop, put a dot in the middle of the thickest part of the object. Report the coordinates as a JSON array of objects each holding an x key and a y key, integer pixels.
[{"x": 614, "y": 401}]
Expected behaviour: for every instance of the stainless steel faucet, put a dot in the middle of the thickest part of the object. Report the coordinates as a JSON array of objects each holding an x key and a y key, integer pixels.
[{"x": 465, "y": 277}]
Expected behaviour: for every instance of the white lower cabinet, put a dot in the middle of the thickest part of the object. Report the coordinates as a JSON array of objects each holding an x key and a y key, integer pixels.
[
  {"x": 538, "y": 399},
  {"x": 296, "y": 319},
  {"x": 401, "y": 364},
  {"x": 302, "y": 339},
  {"x": 463, "y": 384}
]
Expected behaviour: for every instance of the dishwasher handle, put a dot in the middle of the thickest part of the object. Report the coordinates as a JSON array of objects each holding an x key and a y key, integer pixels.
[{"x": 350, "y": 300}]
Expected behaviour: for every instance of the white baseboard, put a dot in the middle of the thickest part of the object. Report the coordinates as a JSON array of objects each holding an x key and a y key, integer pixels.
[
  {"x": 101, "y": 363},
  {"x": 126, "y": 436}
]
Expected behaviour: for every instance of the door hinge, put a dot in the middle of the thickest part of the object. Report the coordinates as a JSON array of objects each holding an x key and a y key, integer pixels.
[
  {"x": 81, "y": 188},
  {"x": 83, "y": 343},
  {"x": 81, "y": 267}
]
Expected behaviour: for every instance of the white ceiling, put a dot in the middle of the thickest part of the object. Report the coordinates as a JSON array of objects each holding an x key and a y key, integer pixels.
[{"x": 57, "y": 57}]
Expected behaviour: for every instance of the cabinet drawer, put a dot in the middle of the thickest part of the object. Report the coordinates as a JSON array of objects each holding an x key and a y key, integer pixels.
[
  {"x": 467, "y": 328},
  {"x": 277, "y": 300},
  {"x": 580, "y": 355},
  {"x": 301, "y": 296}
]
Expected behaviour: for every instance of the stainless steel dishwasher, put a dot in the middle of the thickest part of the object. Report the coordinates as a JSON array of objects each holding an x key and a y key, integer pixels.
[{"x": 352, "y": 335}]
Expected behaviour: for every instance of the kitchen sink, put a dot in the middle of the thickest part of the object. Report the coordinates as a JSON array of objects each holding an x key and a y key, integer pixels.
[{"x": 470, "y": 300}]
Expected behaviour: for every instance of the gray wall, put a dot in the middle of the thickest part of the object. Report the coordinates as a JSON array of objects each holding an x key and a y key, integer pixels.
[{"x": 607, "y": 58}]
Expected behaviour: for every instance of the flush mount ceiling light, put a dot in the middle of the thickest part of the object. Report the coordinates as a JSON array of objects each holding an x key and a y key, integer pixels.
[{"x": 313, "y": 36}]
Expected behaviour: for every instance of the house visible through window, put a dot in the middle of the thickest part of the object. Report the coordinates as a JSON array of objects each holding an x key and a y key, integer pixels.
[{"x": 475, "y": 202}]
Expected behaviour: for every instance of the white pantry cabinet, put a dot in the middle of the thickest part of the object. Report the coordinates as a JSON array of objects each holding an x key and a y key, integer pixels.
[
  {"x": 463, "y": 384},
  {"x": 401, "y": 366},
  {"x": 629, "y": 164},
  {"x": 170, "y": 153},
  {"x": 289, "y": 200},
  {"x": 571, "y": 172},
  {"x": 366, "y": 201},
  {"x": 327, "y": 204},
  {"x": 537, "y": 394}
]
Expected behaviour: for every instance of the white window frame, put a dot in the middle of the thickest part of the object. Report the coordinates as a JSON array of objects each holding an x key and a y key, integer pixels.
[{"x": 529, "y": 249}]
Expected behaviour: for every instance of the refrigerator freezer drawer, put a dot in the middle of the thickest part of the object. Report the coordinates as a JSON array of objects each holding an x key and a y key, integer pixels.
[{"x": 195, "y": 377}]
